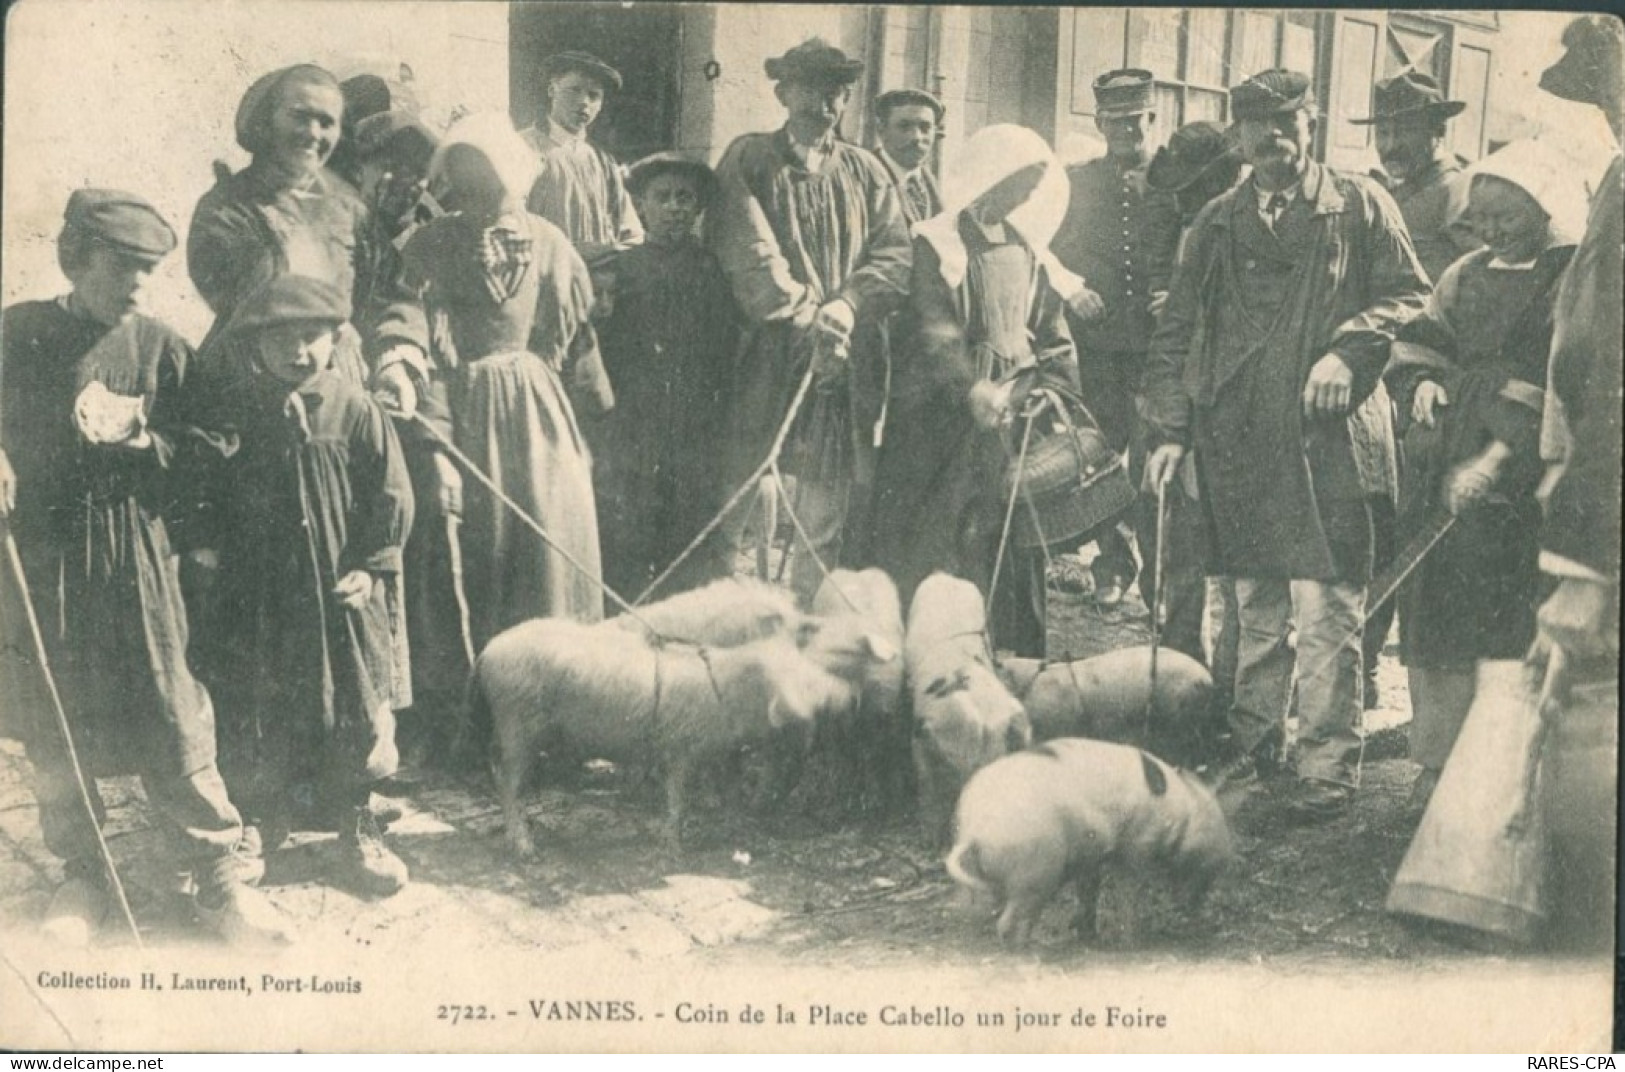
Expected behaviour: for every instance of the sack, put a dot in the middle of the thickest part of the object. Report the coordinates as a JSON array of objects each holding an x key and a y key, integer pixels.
[{"x": 1071, "y": 480}]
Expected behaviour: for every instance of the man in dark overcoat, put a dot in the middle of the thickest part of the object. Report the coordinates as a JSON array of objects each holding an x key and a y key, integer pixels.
[{"x": 1277, "y": 328}]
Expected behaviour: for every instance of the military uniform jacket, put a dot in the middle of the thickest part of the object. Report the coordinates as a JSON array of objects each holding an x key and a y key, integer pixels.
[
  {"x": 1120, "y": 236},
  {"x": 1250, "y": 313}
]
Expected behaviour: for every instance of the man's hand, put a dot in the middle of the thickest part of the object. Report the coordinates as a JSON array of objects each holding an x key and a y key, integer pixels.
[
  {"x": 1159, "y": 302},
  {"x": 832, "y": 324},
  {"x": 393, "y": 386},
  {"x": 448, "y": 486},
  {"x": 354, "y": 589},
  {"x": 1161, "y": 466},
  {"x": 1427, "y": 401},
  {"x": 8, "y": 486},
  {"x": 1086, "y": 303},
  {"x": 204, "y": 558},
  {"x": 989, "y": 402},
  {"x": 1472, "y": 480},
  {"x": 1330, "y": 388},
  {"x": 1576, "y": 618}
]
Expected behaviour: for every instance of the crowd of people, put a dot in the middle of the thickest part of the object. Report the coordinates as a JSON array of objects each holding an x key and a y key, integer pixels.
[{"x": 461, "y": 379}]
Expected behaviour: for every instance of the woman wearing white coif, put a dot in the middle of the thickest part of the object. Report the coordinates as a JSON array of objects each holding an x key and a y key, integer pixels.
[{"x": 989, "y": 327}]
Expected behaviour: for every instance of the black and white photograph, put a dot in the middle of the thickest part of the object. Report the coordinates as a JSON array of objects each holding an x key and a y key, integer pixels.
[{"x": 547, "y": 526}]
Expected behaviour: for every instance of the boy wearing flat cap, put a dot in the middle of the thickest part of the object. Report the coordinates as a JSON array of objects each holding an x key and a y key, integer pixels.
[
  {"x": 1410, "y": 116},
  {"x": 669, "y": 349},
  {"x": 310, "y": 532},
  {"x": 811, "y": 235},
  {"x": 579, "y": 188},
  {"x": 1275, "y": 335},
  {"x": 97, "y": 405}
]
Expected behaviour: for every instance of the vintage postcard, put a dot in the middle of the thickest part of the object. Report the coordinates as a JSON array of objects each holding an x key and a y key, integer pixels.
[{"x": 380, "y": 376}]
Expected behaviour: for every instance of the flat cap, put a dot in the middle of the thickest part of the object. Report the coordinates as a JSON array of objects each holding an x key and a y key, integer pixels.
[
  {"x": 1270, "y": 93},
  {"x": 1194, "y": 151},
  {"x": 652, "y": 167},
  {"x": 122, "y": 220},
  {"x": 1123, "y": 92},
  {"x": 583, "y": 63},
  {"x": 814, "y": 60},
  {"x": 291, "y": 299},
  {"x": 897, "y": 98},
  {"x": 1410, "y": 94},
  {"x": 1590, "y": 63}
]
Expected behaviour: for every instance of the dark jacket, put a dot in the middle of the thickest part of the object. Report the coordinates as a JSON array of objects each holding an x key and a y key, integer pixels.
[{"x": 1249, "y": 315}]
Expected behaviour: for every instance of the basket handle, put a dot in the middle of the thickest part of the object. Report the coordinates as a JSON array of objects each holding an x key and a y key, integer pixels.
[{"x": 1055, "y": 399}]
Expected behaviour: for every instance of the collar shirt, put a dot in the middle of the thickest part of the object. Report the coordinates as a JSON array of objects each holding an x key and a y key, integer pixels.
[
  {"x": 1272, "y": 204},
  {"x": 914, "y": 187},
  {"x": 811, "y": 156}
]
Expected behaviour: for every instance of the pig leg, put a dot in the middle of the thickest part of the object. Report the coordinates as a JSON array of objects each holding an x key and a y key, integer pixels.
[
  {"x": 1032, "y": 873},
  {"x": 1085, "y": 920},
  {"x": 509, "y": 765},
  {"x": 677, "y": 772}
]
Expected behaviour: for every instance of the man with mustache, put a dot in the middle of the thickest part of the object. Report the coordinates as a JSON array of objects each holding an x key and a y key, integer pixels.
[
  {"x": 1425, "y": 178},
  {"x": 1120, "y": 236},
  {"x": 1276, "y": 332},
  {"x": 910, "y": 123},
  {"x": 810, "y": 233}
]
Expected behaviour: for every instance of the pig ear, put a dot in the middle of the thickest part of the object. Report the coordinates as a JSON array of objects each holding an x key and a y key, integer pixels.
[
  {"x": 880, "y": 649},
  {"x": 1154, "y": 778}
]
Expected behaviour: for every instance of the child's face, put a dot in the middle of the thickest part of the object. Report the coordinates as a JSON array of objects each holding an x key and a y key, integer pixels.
[
  {"x": 109, "y": 286},
  {"x": 1507, "y": 220},
  {"x": 669, "y": 206},
  {"x": 293, "y": 353}
]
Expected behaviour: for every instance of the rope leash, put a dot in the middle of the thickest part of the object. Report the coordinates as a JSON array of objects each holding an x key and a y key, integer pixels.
[
  {"x": 113, "y": 880},
  {"x": 1159, "y": 603}
]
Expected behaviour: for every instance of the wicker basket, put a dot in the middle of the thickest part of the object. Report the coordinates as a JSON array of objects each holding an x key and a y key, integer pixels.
[{"x": 1071, "y": 480}]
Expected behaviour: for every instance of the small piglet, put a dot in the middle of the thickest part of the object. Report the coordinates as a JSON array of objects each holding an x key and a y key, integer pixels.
[
  {"x": 1108, "y": 697},
  {"x": 1066, "y": 810},
  {"x": 964, "y": 716}
]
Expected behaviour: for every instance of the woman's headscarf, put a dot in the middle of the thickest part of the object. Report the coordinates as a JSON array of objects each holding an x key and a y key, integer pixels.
[
  {"x": 492, "y": 135},
  {"x": 254, "y": 112},
  {"x": 1548, "y": 176},
  {"x": 992, "y": 155}
]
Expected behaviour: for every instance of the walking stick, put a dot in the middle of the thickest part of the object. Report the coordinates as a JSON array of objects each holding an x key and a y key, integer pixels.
[
  {"x": 14, "y": 560},
  {"x": 1158, "y": 602}
]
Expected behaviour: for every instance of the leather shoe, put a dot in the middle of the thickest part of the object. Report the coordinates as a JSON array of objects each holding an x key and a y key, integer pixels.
[{"x": 1312, "y": 800}]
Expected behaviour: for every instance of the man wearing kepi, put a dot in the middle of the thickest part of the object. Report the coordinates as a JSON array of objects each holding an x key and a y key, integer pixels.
[
  {"x": 579, "y": 188},
  {"x": 1278, "y": 326},
  {"x": 1426, "y": 178},
  {"x": 811, "y": 236},
  {"x": 1120, "y": 236}
]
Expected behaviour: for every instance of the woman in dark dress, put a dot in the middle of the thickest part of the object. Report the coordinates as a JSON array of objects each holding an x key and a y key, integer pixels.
[
  {"x": 508, "y": 301},
  {"x": 990, "y": 328},
  {"x": 1470, "y": 372}
]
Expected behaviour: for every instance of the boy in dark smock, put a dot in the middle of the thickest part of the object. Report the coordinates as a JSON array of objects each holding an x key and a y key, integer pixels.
[
  {"x": 668, "y": 347},
  {"x": 312, "y": 528},
  {"x": 96, "y": 489}
]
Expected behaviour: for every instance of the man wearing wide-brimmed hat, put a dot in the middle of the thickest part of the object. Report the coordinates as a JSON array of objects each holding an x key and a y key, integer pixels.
[
  {"x": 1274, "y": 337},
  {"x": 1120, "y": 236},
  {"x": 1409, "y": 113},
  {"x": 811, "y": 235},
  {"x": 579, "y": 187}
]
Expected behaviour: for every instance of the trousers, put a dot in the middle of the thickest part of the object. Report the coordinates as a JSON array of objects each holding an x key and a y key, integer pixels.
[{"x": 1327, "y": 667}]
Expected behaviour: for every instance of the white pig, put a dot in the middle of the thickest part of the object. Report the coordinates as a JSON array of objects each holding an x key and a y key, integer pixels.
[{"x": 1068, "y": 809}]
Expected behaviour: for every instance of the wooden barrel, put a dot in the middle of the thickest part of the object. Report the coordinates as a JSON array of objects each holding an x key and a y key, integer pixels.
[{"x": 1479, "y": 856}]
